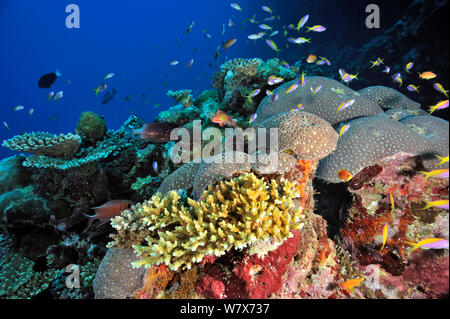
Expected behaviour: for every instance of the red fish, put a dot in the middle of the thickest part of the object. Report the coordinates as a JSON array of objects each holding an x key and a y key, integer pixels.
[
  {"x": 110, "y": 210},
  {"x": 222, "y": 119},
  {"x": 155, "y": 132}
]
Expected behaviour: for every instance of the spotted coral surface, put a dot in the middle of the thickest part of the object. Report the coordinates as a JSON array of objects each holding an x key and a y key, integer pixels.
[
  {"x": 322, "y": 104},
  {"x": 182, "y": 178},
  {"x": 389, "y": 98},
  {"x": 371, "y": 139}
]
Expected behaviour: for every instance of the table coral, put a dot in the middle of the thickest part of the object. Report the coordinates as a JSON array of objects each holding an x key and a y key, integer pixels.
[{"x": 46, "y": 144}]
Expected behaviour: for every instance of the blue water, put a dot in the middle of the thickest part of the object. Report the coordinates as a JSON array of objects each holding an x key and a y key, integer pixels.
[{"x": 137, "y": 40}]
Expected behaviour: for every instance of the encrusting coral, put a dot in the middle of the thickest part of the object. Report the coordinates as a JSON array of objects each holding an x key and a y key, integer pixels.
[
  {"x": 43, "y": 143},
  {"x": 91, "y": 126},
  {"x": 235, "y": 213}
]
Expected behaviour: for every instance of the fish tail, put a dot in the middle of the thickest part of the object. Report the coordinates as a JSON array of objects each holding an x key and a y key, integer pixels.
[
  {"x": 427, "y": 175},
  {"x": 428, "y": 205},
  {"x": 309, "y": 29},
  {"x": 414, "y": 245},
  {"x": 432, "y": 109},
  {"x": 96, "y": 91}
]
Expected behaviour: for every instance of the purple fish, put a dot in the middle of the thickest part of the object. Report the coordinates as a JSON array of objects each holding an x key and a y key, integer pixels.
[
  {"x": 191, "y": 61},
  {"x": 155, "y": 166},
  {"x": 274, "y": 97},
  {"x": 437, "y": 244}
]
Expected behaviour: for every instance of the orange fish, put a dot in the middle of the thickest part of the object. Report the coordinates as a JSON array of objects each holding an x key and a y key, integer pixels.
[
  {"x": 311, "y": 58},
  {"x": 222, "y": 119},
  {"x": 110, "y": 210},
  {"x": 229, "y": 43},
  {"x": 344, "y": 175},
  {"x": 352, "y": 283},
  {"x": 322, "y": 257}
]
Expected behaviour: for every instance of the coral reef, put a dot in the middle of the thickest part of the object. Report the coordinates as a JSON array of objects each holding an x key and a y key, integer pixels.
[
  {"x": 41, "y": 143},
  {"x": 91, "y": 126},
  {"x": 388, "y": 98},
  {"x": 371, "y": 139},
  {"x": 183, "y": 97},
  {"x": 324, "y": 104}
]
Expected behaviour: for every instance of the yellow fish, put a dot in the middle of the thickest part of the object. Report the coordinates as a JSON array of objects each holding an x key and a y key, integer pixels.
[
  {"x": 437, "y": 203},
  {"x": 436, "y": 243},
  {"x": 438, "y": 173},
  {"x": 385, "y": 234}
]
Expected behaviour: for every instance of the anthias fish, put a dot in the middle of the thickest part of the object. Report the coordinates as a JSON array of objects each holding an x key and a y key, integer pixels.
[{"x": 110, "y": 209}]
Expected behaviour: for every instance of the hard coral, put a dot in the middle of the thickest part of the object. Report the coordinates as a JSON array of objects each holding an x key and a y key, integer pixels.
[
  {"x": 42, "y": 143},
  {"x": 322, "y": 104},
  {"x": 389, "y": 98},
  {"x": 182, "y": 178},
  {"x": 235, "y": 213},
  {"x": 91, "y": 126},
  {"x": 183, "y": 97}
]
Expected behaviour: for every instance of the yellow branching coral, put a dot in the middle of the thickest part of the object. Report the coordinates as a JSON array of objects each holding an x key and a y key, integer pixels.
[{"x": 234, "y": 213}]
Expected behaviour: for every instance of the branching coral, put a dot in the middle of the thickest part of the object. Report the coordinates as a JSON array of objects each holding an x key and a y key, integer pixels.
[
  {"x": 43, "y": 143},
  {"x": 235, "y": 213}
]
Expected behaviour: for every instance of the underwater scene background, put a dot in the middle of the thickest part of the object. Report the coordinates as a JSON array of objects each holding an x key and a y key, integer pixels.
[{"x": 352, "y": 204}]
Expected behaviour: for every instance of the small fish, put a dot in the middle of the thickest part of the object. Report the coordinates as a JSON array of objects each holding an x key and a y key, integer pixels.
[
  {"x": 443, "y": 159},
  {"x": 438, "y": 87},
  {"x": 46, "y": 81},
  {"x": 302, "y": 80},
  {"x": 346, "y": 77},
  {"x": 427, "y": 75},
  {"x": 438, "y": 173},
  {"x": 252, "y": 19},
  {"x": 311, "y": 58},
  {"x": 30, "y": 112},
  {"x": 222, "y": 119},
  {"x": 274, "y": 97},
  {"x": 377, "y": 62},
  {"x": 409, "y": 66},
  {"x": 274, "y": 33},
  {"x": 230, "y": 23},
  {"x": 344, "y": 128},
  {"x": 323, "y": 60},
  {"x": 155, "y": 166},
  {"x": 439, "y": 106},
  {"x": 190, "y": 62},
  {"x": 272, "y": 45},
  {"x": 189, "y": 29},
  {"x": 50, "y": 95},
  {"x": 386, "y": 70},
  {"x": 292, "y": 88},
  {"x": 110, "y": 209},
  {"x": 413, "y": 88},
  {"x": 298, "y": 107},
  {"x": 398, "y": 78},
  {"x": 272, "y": 80},
  {"x": 385, "y": 235},
  {"x": 173, "y": 63},
  {"x": 267, "y": 9},
  {"x": 223, "y": 29},
  {"x": 155, "y": 132},
  {"x": 102, "y": 87},
  {"x": 234, "y": 5},
  {"x": 6, "y": 125},
  {"x": 344, "y": 175},
  {"x": 256, "y": 36},
  {"x": 156, "y": 105},
  {"x": 429, "y": 243},
  {"x": 265, "y": 27},
  {"x": 443, "y": 204},
  {"x": 229, "y": 43},
  {"x": 391, "y": 198},
  {"x": 315, "y": 90},
  {"x": 271, "y": 18},
  {"x": 316, "y": 28},
  {"x": 252, "y": 94},
  {"x": 58, "y": 95},
  {"x": 349, "y": 285},
  {"x": 252, "y": 119},
  {"x": 299, "y": 40},
  {"x": 108, "y": 76},
  {"x": 19, "y": 108},
  {"x": 302, "y": 22},
  {"x": 344, "y": 105},
  {"x": 338, "y": 91}
]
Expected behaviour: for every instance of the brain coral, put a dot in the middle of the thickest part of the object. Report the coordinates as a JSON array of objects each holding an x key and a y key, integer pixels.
[
  {"x": 218, "y": 167},
  {"x": 235, "y": 213},
  {"x": 42, "y": 143},
  {"x": 374, "y": 138},
  {"x": 182, "y": 178},
  {"x": 307, "y": 136},
  {"x": 388, "y": 98},
  {"x": 116, "y": 278},
  {"x": 322, "y": 104}
]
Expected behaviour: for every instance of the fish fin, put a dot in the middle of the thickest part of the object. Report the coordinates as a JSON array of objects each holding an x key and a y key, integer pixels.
[{"x": 427, "y": 175}]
